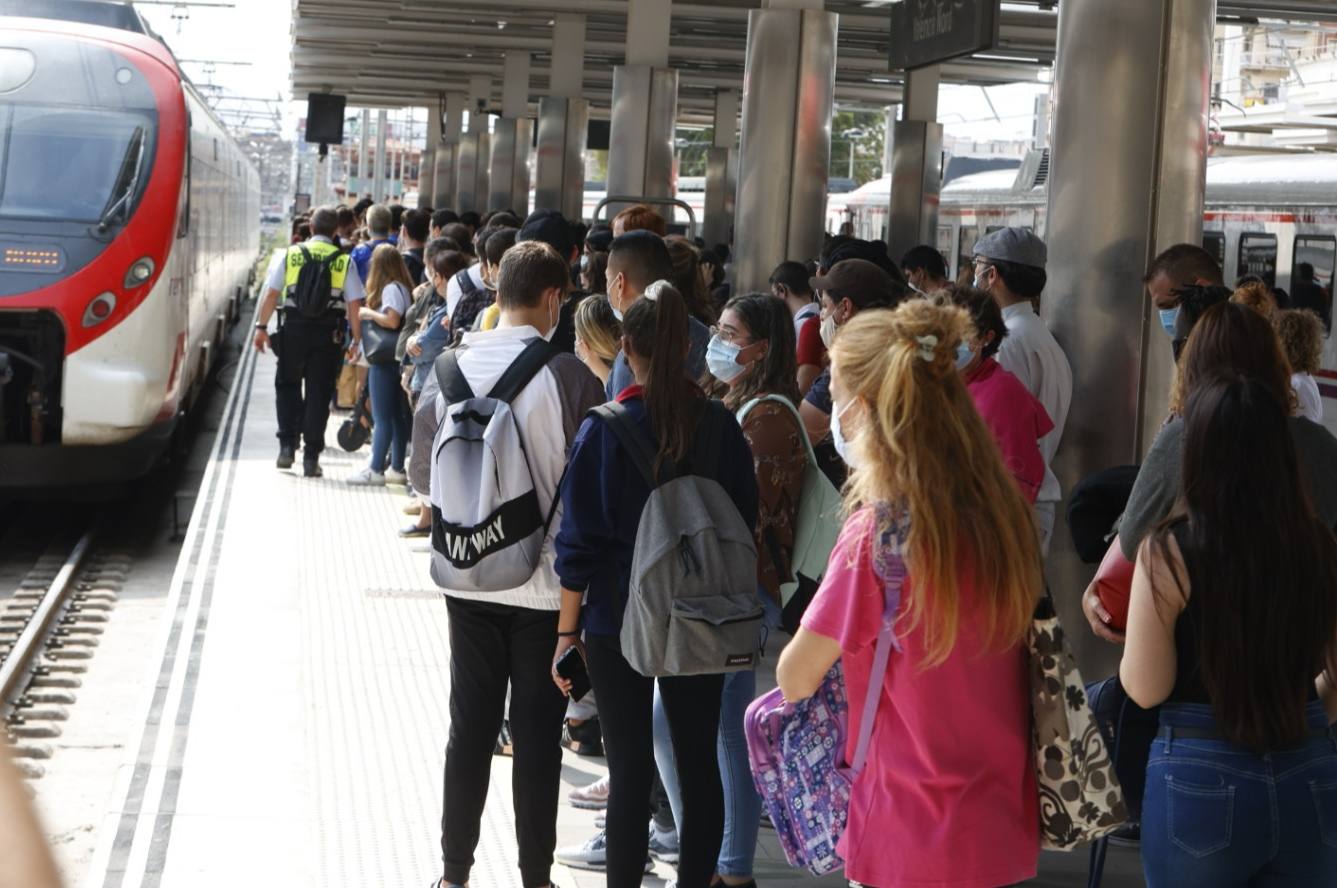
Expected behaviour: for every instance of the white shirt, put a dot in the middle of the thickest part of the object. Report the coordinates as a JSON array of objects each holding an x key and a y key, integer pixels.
[
  {"x": 276, "y": 274},
  {"x": 454, "y": 292},
  {"x": 1030, "y": 353},
  {"x": 394, "y": 296},
  {"x": 1310, "y": 401},
  {"x": 811, "y": 310}
]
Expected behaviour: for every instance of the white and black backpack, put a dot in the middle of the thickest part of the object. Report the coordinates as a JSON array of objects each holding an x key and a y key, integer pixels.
[
  {"x": 488, "y": 525},
  {"x": 692, "y": 605}
]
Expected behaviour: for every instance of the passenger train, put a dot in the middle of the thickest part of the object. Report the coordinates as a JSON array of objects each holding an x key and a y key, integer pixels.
[
  {"x": 129, "y": 224},
  {"x": 1264, "y": 215}
]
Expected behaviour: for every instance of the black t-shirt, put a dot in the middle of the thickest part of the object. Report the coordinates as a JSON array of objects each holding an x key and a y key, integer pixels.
[
  {"x": 417, "y": 268},
  {"x": 564, "y": 339}
]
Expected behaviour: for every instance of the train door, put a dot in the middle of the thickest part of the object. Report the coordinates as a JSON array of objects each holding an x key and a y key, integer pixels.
[
  {"x": 1258, "y": 256},
  {"x": 1214, "y": 242},
  {"x": 945, "y": 243}
]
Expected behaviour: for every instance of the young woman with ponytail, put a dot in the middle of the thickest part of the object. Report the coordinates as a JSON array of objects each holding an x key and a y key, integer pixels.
[
  {"x": 603, "y": 496},
  {"x": 948, "y": 794}
]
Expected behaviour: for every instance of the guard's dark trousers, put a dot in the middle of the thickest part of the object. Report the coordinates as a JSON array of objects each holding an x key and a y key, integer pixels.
[
  {"x": 310, "y": 354},
  {"x": 491, "y": 644}
]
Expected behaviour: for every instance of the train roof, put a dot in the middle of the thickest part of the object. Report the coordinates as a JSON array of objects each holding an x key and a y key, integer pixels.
[
  {"x": 1280, "y": 179},
  {"x": 64, "y": 18}
]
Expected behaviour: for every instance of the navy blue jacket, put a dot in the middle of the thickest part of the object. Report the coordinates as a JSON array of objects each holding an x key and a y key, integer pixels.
[{"x": 603, "y": 496}]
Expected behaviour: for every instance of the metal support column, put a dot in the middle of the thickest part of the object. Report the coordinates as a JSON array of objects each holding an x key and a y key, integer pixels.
[
  {"x": 788, "y": 100},
  {"x": 512, "y": 138},
  {"x": 645, "y": 107},
  {"x": 378, "y": 191},
  {"x": 1114, "y": 203},
  {"x": 722, "y": 171},
  {"x": 427, "y": 160},
  {"x": 916, "y": 165},
  {"x": 364, "y": 147},
  {"x": 471, "y": 192},
  {"x": 447, "y": 151},
  {"x": 559, "y": 162}
]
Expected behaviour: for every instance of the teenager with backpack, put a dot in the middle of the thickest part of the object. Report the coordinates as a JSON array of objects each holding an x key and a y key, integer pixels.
[
  {"x": 689, "y": 535},
  {"x": 751, "y": 357},
  {"x": 947, "y": 794},
  {"x": 493, "y": 504},
  {"x": 315, "y": 290},
  {"x": 388, "y": 287}
]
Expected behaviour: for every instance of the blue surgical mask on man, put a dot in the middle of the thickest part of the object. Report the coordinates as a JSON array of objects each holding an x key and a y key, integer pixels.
[
  {"x": 722, "y": 360},
  {"x": 1169, "y": 320}
]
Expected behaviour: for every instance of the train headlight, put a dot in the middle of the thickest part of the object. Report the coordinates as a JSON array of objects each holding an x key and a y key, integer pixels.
[
  {"x": 99, "y": 309},
  {"x": 138, "y": 273}
]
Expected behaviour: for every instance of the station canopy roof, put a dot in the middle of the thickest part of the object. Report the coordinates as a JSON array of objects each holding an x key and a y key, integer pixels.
[{"x": 396, "y": 53}]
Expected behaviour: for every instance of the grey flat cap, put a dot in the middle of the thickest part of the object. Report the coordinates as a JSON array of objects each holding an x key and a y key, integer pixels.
[{"x": 1017, "y": 245}]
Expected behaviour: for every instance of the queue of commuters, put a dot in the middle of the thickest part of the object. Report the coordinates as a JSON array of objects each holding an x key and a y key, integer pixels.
[{"x": 594, "y": 431}]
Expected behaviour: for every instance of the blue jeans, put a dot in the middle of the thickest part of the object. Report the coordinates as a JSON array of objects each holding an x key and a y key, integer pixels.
[
  {"x": 390, "y": 417},
  {"x": 742, "y": 805},
  {"x": 1216, "y": 815}
]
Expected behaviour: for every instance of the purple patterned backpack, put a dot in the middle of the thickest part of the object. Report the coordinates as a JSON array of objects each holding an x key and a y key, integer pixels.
[{"x": 798, "y": 749}]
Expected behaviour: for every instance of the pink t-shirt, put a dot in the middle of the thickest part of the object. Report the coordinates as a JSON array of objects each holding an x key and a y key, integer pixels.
[
  {"x": 948, "y": 796},
  {"x": 1018, "y": 422}
]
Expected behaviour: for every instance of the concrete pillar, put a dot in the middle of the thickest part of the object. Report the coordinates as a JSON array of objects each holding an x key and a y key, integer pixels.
[
  {"x": 788, "y": 100},
  {"x": 722, "y": 171},
  {"x": 1114, "y": 203},
  {"x": 563, "y": 124},
  {"x": 645, "y": 108},
  {"x": 364, "y": 148},
  {"x": 472, "y": 188},
  {"x": 427, "y": 160},
  {"x": 916, "y": 165},
  {"x": 378, "y": 190},
  {"x": 512, "y": 138},
  {"x": 447, "y": 151}
]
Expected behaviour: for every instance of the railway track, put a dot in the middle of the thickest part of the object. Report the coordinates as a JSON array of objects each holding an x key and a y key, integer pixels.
[{"x": 49, "y": 629}]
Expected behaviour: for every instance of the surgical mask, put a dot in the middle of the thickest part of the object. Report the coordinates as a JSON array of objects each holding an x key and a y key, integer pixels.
[
  {"x": 617, "y": 313},
  {"x": 1169, "y": 318},
  {"x": 981, "y": 282},
  {"x": 838, "y": 438},
  {"x": 555, "y": 317},
  {"x": 964, "y": 355},
  {"x": 828, "y": 330},
  {"x": 722, "y": 360},
  {"x": 584, "y": 261}
]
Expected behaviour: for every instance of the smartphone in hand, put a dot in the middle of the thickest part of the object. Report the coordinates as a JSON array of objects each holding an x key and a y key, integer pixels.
[{"x": 571, "y": 666}]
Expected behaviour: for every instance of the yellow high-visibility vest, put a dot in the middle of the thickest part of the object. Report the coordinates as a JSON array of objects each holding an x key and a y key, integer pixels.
[{"x": 319, "y": 250}]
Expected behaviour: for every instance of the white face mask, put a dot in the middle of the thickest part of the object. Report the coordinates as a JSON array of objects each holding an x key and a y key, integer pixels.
[
  {"x": 555, "y": 316},
  {"x": 981, "y": 281},
  {"x": 827, "y": 330},
  {"x": 838, "y": 437}
]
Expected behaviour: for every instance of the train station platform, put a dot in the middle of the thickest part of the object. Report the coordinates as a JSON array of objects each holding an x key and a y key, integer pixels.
[{"x": 293, "y": 729}]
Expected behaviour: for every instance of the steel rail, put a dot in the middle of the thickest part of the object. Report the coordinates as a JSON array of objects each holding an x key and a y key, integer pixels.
[{"x": 15, "y": 670}]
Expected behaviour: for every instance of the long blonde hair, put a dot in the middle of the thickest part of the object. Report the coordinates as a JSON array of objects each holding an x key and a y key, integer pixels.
[
  {"x": 923, "y": 447},
  {"x": 387, "y": 267}
]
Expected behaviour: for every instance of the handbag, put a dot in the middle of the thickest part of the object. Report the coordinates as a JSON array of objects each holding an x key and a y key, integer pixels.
[
  {"x": 797, "y": 750},
  {"x": 1080, "y": 796},
  {"x": 378, "y": 343}
]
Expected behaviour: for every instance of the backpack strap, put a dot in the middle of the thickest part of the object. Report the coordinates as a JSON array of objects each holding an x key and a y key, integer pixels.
[
  {"x": 633, "y": 440},
  {"x": 886, "y": 639},
  {"x": 524, "y": 368},
  {"x": 454, "y": 387},
  {"x": 466, "y": 282}
]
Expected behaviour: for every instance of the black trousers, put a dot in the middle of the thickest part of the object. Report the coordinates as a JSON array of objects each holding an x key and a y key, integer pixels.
[
  {"x": 310, "y": 354},
  {"x": 491, "y": 644},
  {"x": 626, "y": 702}
]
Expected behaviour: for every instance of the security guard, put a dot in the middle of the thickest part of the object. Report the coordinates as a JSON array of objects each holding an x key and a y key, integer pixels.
[{"x": 309, "y": 350}]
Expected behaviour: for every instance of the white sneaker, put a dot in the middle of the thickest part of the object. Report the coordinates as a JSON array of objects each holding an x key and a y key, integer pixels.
[
  {"x": 663, "y": 845},
  {"x": 366, "y": 478},
  {"x": 591, "y": 798},
  {"x": 393, "y": 477},
  {"x": 593, "y": 855}
]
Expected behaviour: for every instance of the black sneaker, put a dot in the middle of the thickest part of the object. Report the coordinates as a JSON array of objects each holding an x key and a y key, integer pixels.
[
  {"x": 311, "y": 469},
  {"x": 286, "y": 457},
  {"x": 583, "y": 739}
]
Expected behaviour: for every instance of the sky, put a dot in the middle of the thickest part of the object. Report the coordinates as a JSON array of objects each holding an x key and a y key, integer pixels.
[{"x": 258, "y": 32}]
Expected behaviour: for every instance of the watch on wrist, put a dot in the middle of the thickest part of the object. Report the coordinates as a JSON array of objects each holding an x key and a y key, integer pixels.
[{"x": 260, "y": 326}]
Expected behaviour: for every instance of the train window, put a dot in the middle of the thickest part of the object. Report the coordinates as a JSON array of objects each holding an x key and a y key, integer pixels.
[
  {"x": 966, "y": 253},
  {"x": 1214, "y": 242},
  {"x": 1320, "y": 254},
  {"x": 183, "y": 205},
  {"x": 992, "y": 228},
  {"x": 944, "y": 246},
  {"x": 1258, "y": 256}
]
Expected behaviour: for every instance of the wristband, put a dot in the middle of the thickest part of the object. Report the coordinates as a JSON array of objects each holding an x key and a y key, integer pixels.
[
  {"x": 572, "y": 634},
  {"x": 260, "y": 326}
]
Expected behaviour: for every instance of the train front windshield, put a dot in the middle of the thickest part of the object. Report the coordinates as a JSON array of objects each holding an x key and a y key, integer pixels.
[{"x": 73, "y": 164}]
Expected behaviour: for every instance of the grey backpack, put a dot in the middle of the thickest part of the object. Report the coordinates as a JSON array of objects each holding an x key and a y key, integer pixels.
[
  {"x": 692, "y": 605},
  {"x": 488, "y": 526}
]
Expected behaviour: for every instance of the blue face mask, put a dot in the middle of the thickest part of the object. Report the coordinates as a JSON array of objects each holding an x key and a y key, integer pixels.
[
  {"x": 1169, "y": 318},
  {"x": 722, "y": 360},
  {"x": 964, "y": 355}
]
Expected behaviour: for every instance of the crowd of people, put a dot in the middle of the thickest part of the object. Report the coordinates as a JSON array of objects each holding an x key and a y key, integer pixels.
[{"x": 561, "y": 402}]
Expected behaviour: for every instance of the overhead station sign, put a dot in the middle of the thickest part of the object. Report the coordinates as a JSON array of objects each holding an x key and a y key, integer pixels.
[{"x": 925, "y": 32}]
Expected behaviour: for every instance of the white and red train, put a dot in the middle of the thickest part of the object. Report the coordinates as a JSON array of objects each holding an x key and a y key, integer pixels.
[
  {"x": 129, "y": 226},
  {"x": 1264, "y": 215}
]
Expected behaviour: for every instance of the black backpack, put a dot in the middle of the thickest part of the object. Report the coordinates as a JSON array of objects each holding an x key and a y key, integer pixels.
[{"x": 314, "y": 291}]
